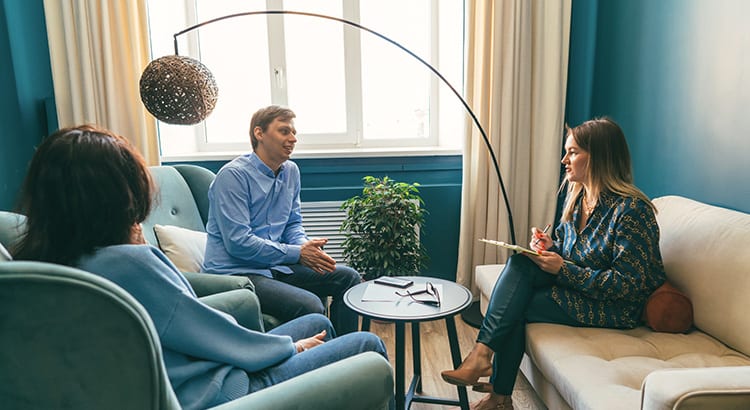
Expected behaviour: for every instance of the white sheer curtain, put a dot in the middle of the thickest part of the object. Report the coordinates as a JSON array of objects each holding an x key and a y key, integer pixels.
[
  {"x": 516, "y": 77},
  {"x": 98, "y": 49}
]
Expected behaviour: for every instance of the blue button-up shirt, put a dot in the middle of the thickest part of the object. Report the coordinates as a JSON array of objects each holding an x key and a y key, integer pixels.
[{"x": 254, "y": 220}]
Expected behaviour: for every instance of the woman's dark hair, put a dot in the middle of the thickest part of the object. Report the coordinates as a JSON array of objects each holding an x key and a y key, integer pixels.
[{"x": 85, "y": 188}]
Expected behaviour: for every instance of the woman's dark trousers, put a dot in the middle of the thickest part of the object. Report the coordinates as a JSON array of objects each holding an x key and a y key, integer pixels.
[{"x": 519, "y": 297}]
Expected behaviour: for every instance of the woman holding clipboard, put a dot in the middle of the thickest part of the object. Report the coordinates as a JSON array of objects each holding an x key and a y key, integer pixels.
[{"x": 597, "y": 271}]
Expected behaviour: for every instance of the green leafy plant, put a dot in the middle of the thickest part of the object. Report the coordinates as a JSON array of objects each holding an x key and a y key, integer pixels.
[{"x": 382, "y": 229}]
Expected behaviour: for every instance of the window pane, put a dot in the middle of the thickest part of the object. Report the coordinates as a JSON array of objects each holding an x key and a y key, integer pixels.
[
  {"x": 164, "y": 21},
  {"x": 349, "y": 88},
  {"x": 395, "y": 86},
  {"x": 452, "y": 112},
  {"x": 315, "y": 75},
  {"x": 236, "y": 52}
]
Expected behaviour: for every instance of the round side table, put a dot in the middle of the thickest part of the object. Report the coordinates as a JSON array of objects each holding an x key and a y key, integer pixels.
[{"x": 375, "y": 301}]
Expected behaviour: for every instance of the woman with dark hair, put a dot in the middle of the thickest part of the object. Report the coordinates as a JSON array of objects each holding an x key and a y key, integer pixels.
[
  {"x": 598, "y": 271},
  {"x": 86, "y": 193}
]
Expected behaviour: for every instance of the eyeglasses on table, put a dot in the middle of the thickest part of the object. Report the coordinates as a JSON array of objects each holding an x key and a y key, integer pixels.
[{"x": 429, "y": 289}]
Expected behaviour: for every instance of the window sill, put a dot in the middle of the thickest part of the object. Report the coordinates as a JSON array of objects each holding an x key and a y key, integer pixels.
[{"x": 322, "y": 153}]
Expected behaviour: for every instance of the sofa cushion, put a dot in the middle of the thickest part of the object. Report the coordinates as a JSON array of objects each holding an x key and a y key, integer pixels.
[
  {"x": 703, "y": 251},
  {"x": 668, "y": 310},
  {"x": 184, "y": 247},
  {"x": 485, "y": 277},
  {"x": 595, "y": 368}
]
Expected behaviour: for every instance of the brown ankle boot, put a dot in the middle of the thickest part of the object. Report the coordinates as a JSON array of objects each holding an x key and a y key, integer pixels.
[
  {"x": 463, "y": 376},
  {"x": 477, "y": 364}
]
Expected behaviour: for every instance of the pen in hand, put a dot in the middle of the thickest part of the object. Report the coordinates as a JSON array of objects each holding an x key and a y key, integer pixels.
[{"x": 539, "y": 238}]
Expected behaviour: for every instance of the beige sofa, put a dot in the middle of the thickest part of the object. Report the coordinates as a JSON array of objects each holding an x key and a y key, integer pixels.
[{"x": 705, "y": 252}]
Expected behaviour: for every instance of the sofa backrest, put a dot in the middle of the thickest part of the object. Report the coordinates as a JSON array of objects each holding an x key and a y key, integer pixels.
[
  {"x": 705, "y": 255},
  {"x": 199, "y": 179},
  {"x": 175, "y": 203}
]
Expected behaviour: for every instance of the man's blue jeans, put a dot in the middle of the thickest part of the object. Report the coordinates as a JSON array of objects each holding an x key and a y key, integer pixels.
[{"x": 288, "y": 296}]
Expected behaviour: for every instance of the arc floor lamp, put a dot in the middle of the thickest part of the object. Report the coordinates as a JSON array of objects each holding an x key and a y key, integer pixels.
[{"x": 182, "y": 90}]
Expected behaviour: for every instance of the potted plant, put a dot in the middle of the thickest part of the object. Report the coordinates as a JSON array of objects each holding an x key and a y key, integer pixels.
[{"x": 382, "y": 227}]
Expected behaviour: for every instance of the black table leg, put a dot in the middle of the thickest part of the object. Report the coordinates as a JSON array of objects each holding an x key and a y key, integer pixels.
[
  {"x": 416, "y": 355},
  {"x": 365, "y": 324},
  {"x": 400, "y": 398},
  {"x": 450, "y": 323}
]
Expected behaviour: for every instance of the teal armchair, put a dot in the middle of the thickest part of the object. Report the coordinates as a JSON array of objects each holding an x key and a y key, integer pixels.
[
  {"x": 182, "y": 201},
  {"x": 71, "y": 339},
  {"x": 230, "y": 294}
]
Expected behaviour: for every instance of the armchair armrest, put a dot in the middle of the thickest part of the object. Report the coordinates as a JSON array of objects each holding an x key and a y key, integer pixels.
[
  {"x": 364, "y": 381},
  {"x": 242, "y": 304},
  {"x": 205, "y": 284},
  {"x": 230, "y": 294},
  {"x": 696, "y": 388}
]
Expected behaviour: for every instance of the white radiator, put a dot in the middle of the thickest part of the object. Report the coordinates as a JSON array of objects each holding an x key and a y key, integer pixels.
[{"x": 323, "y": 219}]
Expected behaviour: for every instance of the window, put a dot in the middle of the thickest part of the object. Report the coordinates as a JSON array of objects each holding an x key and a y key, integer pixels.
[{"x": 350, "y": 89}]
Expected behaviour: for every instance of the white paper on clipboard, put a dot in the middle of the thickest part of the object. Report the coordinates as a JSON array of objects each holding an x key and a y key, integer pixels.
[{"x": 510, "y": 246}]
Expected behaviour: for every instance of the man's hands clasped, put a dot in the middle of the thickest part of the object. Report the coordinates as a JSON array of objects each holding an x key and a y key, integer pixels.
[{"x": 313, "y": 256}]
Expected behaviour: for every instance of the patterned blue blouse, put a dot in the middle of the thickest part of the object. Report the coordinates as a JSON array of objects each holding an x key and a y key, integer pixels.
[{"x": 617, "y": 262}]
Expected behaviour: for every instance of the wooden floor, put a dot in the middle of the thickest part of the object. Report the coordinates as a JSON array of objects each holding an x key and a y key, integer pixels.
[{"x": 436, "y": 357}]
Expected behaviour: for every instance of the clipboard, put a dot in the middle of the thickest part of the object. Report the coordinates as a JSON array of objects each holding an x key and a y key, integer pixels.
[
  {"x": 518, "y": 248},
  {"x": 511, "y": 246}
]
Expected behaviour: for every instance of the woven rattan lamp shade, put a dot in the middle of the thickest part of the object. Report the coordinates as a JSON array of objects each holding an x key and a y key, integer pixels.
[{"x": 178, "y": 90}]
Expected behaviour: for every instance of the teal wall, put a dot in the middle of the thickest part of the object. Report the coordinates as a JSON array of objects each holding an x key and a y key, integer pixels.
[
  {"x": 26, "y": 96},
  {"x": 673, "y": 73},
  {"x": 439, "y": 177},
  {"x": 676, "y": 75}
]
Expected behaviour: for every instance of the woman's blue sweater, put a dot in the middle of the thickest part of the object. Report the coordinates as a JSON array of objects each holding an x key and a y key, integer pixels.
[{"x": 207, "y": 354}]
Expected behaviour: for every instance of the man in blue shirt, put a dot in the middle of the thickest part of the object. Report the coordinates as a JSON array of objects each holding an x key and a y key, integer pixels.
[{"x": 255, "y": 229}]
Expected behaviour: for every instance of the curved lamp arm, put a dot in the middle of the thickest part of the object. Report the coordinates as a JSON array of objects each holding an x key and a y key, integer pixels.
[{"x": 425, "y": 63}]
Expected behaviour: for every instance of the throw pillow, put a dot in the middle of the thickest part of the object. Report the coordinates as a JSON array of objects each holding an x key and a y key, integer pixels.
[
  {"x": 668, "y": 310},
  {"x": 184, "y": 247}
]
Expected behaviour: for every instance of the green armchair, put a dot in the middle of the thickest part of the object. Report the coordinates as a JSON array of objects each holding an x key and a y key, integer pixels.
[
  {"x": 71, "y": 339},
  {"x": 230, "y": 294}
]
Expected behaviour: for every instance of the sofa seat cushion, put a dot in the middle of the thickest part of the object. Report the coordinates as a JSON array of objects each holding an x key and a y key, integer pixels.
[
  {"x": 485, "y": 277},
  {"x": 595, "y": 368}
]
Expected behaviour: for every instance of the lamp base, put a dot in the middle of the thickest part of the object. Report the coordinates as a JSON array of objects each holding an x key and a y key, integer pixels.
[{"x": 472, "y": 316}]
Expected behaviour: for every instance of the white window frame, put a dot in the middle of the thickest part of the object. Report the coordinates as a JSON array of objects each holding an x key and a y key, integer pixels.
[{"x": 351, "y": 142}]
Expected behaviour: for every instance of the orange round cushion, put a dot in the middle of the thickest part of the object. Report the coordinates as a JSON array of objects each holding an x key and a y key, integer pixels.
[{"x": 668, "y": 310}]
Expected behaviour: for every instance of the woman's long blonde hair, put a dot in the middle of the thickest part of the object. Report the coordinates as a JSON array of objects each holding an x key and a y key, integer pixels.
[{"x": 608, "y": 166}]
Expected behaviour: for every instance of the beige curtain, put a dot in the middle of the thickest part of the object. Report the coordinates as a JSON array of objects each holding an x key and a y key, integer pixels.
[
  {"x": 98, "y": 49},
  {"x": 516, "y": 79}
]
